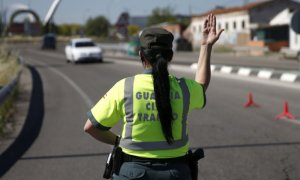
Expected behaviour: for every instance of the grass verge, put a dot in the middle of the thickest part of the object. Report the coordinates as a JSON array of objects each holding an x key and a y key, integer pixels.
[
  {"x": 9, "y": 69},
  {"x": 6, "y": 111}
]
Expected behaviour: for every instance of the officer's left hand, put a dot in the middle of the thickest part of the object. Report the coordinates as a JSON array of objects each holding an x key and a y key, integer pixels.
[{"x": 209, "y": 34}]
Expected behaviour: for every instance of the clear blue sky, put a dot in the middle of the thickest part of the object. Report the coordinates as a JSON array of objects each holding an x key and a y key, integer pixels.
[{"x": 77, "y": 11}]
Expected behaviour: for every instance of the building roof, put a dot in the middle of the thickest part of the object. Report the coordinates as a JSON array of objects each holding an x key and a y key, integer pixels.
[
  {"x": 123, "y": 19},
  {"x": 232, "y": 9},
  {"x": 140, "y": 21}
]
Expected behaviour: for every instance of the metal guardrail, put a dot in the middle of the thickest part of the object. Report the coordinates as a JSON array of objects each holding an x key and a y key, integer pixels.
[
  {"x": 111, "y": 47},
  {"x": 5, "y": 90}
]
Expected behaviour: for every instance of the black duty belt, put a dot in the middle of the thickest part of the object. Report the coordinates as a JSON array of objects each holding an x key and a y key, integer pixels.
[{"x": 130, "y": 158}]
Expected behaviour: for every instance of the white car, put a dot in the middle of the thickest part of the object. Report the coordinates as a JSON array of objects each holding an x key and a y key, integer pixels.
[{"x": 82, "y": 49}]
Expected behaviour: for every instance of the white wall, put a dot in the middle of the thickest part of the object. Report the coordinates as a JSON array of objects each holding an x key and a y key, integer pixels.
[
  {"x": 294, "y": 41},
  {"x": 230, "y": 34},
  {"x": 282, "y": 18}
]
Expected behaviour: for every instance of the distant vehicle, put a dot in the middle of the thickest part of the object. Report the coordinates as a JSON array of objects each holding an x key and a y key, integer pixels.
[
  {"x": 182, "y": 44},
  {"x": 133, "y": 46},
  {"x": 83, "y": 49},
  {"x": 49, "y": 41}
]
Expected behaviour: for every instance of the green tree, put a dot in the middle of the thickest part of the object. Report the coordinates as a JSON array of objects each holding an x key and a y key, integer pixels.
[
  {"x": 50, "y": 28},
  {"x": 69, "y": 29},
  {"x": 97, "y": 26},
  {"x": 133, "y": 30},
  {"x": 64, "y": 29},
  {"x": 183, "y": 20},
  {"x": 160, "y": 15}
]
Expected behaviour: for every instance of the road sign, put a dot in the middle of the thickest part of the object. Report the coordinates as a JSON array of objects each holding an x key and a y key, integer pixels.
[{"x": 295, "y": 23}]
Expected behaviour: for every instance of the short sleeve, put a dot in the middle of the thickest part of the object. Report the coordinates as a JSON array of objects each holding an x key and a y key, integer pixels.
[
  {"x": 106, "y": 113},
  {"x": 197, "y": 94}
]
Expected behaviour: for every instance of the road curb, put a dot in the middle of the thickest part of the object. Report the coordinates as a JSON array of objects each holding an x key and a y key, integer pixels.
[
  {"x": 262, "y": 73},
  {"x": 268, "y": 74}
]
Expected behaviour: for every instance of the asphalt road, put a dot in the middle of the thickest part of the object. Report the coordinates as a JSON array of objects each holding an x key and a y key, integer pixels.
[{"x": 239, "y": 143}]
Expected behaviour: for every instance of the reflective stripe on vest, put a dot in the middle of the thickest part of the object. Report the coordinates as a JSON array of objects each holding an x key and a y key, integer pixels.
[{"x": 127, "y": 142}]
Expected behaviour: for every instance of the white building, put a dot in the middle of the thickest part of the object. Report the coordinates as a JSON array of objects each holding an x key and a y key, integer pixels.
[
  {"x": 284, "y": 18},
  {"x": 252, "y": 24}
]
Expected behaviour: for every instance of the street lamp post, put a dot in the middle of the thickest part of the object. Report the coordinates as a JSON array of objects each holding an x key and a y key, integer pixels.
[{"x": 1, "y": 14}]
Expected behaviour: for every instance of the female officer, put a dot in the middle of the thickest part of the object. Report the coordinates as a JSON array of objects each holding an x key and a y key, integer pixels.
[{"x": 154, "y": 107}]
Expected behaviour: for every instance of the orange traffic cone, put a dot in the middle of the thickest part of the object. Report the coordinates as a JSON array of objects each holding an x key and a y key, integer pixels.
[
  {"x": 250, "y": 101},
  {"x": 285, "y": 113}
]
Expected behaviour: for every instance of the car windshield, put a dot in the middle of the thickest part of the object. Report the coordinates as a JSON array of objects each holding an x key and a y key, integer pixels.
[
  {"x": 84, "y": 44},
  {"x": 49, "y": 39}
]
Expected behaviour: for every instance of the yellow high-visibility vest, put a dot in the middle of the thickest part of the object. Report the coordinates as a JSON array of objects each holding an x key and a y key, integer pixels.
[{"x": 133, "y": 100}]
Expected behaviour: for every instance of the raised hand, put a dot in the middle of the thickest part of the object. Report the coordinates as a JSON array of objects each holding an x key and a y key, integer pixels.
[{"x": 209, "y": 34}]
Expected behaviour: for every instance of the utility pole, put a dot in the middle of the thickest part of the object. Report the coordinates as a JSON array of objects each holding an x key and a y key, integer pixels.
[{"x": 1, "y": 25}]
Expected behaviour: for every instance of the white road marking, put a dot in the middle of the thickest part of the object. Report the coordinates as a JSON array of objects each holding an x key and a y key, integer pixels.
[
  {"x": 255, "y": 80},
  {"x": 194, "y": 66},
  {"x": 244, "y": 71},
  {"x": 288, "y": 77},
  {"x": 264, "y": 74},
  {"x": 294, "y": 121},
  {"x": 181, "y": 68},
  {"x": 83, "y": 95},
  {"x": 226, "y": 69},
  {"x": 212, "y": 68},
  {"x": 186, "y": 69}
]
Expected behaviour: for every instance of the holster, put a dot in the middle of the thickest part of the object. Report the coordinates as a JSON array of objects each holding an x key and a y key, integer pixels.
[
  {"x": 114, "y": 161},
  {"x": 108, "y": 167},
  {"x": 117, "y": 160},
  {"x": 194, "y": 157}
]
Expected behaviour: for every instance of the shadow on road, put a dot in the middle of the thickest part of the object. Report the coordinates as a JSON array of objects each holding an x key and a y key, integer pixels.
[
  {"x": 193, "y": 148},
  {"x": 31, "y": 128},
  {"x": 65, "y": 156},
  {"x": 258, "y": 145}
]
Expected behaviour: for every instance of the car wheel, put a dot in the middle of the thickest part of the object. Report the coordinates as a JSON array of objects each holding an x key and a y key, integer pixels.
[{"x": 100, "y": 60}]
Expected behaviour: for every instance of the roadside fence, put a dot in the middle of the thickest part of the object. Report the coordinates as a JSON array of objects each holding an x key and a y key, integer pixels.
[{"x": 6, "y": 90}]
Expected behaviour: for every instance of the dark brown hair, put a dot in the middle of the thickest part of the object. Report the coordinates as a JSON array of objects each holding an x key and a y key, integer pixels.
[{"x": 159, "y": 59}]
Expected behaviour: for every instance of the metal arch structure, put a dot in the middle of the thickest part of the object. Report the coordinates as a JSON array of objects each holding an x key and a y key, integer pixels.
[
  {"x": 48, "y": 21},
  {"x": 51, "y": 11},
  {"x": 37, "y": 18},
  {"x": 23, "y": 11},
  {"x": 45, "y": 23}
]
